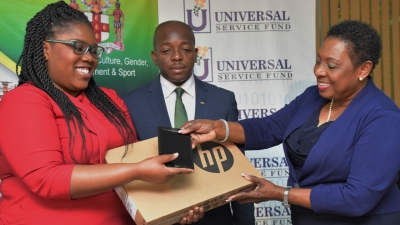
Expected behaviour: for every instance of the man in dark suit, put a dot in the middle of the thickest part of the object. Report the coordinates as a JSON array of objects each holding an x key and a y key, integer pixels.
[{"x": 153, "y": 104}]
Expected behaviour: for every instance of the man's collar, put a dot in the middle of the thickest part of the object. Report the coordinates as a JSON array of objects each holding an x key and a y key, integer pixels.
[{"x": 168, "y": 87}]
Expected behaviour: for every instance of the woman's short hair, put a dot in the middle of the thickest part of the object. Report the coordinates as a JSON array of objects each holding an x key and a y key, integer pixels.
[{"x": 362, "y": 40}]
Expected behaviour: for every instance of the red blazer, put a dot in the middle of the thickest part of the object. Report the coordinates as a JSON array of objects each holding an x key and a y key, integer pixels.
[{"x": 36, "y": 166}]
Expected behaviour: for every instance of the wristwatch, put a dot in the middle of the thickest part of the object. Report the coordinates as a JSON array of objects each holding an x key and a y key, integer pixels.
[{"x": 285, "y": 202}]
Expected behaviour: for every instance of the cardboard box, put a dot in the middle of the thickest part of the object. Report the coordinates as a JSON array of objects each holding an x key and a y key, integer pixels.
[{"x": 218, "y": 169}]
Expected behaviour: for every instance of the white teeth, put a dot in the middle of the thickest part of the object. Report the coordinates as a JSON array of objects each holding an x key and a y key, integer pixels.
[
  {"x": 323, "y": 84},
  {"x": 82, "y": 70}
]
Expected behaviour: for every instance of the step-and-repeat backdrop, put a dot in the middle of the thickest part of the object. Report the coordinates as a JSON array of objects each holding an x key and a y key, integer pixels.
[{"x": 262, "y": 50}]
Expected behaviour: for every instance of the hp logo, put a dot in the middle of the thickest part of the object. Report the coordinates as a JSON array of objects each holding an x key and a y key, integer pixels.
[{"x": 213, "y": 157}]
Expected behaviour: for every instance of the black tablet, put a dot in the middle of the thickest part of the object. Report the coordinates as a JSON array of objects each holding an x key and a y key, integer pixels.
[{"x": 170, "y": 141}]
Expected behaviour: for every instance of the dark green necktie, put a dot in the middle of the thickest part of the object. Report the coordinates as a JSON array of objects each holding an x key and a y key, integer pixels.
[{"x": 180, "y": 112}]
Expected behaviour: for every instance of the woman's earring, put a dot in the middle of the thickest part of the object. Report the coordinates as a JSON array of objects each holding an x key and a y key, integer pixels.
[{"x": 360, "y": 78}]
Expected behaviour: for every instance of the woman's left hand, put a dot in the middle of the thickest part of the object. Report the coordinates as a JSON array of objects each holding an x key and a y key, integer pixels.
[
  {"x": 193, "y": 216},
  {"x": 264, "y": 191}
]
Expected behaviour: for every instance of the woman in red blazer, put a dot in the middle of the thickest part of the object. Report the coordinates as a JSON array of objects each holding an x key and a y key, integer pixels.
[{"x": 57, "y": 126}]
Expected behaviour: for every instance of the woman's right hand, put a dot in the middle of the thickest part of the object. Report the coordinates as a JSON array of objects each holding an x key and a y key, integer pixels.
[
  {"x": 201, "y": 130},
  {"x": 153, "y": 169}
]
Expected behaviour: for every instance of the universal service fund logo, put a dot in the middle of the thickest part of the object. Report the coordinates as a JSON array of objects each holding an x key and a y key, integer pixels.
[
  {"x": 203, "y": 66},
  {"x": 252, "y": 21},
  {"x": 197, "y": 15},
  {"x": 213, "y": 157},
  {"x": 254, "y": 70},
  {"x": 267, "y": 20}
]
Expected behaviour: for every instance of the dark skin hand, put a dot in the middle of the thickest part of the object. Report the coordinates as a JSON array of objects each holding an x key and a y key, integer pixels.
[
  {"x": 89, "y": 180},
  {"x": 202, "y": 130},
  {"x": 266, "y": 191},
  {"x": 159, "y": 173},
  {"x": 193, "y": 216}
]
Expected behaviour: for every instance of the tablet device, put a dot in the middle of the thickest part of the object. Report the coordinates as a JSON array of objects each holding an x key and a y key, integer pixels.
[{"x": 170, "y": 142}]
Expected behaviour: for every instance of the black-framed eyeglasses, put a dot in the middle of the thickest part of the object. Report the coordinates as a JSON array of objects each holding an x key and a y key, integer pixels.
[{"x": 81, "y": 48}]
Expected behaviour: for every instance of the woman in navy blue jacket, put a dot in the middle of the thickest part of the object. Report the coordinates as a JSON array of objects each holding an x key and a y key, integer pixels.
[{"x": 340, "y": 138}]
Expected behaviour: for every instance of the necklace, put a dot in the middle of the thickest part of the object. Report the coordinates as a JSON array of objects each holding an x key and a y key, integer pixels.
[{"x": 330, "y": 111}]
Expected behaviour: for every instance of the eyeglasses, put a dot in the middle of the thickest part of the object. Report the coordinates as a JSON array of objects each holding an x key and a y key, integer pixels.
[{"x": 81, "y": 48}]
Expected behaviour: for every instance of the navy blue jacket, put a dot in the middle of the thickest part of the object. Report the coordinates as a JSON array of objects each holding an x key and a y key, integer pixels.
[{"x": 352, "y": 168}]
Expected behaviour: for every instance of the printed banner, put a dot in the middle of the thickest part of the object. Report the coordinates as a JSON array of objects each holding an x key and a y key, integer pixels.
[
  {"x": 263, "y": 51},
  {"x": 123, "y": 27}
]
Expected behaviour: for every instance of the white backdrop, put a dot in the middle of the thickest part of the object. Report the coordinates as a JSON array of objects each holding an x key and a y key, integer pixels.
[{"x": 263, "y": 51}]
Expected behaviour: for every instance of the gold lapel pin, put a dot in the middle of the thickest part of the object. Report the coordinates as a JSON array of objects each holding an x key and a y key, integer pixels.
[{"x": 202, "y": 103}]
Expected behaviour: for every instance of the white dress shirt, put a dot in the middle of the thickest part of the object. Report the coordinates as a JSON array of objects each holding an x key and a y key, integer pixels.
[{"x": 188, "y": 97}]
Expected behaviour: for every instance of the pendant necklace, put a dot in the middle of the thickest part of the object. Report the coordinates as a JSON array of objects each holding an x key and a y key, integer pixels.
[{"x": 330, "y": 111}]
